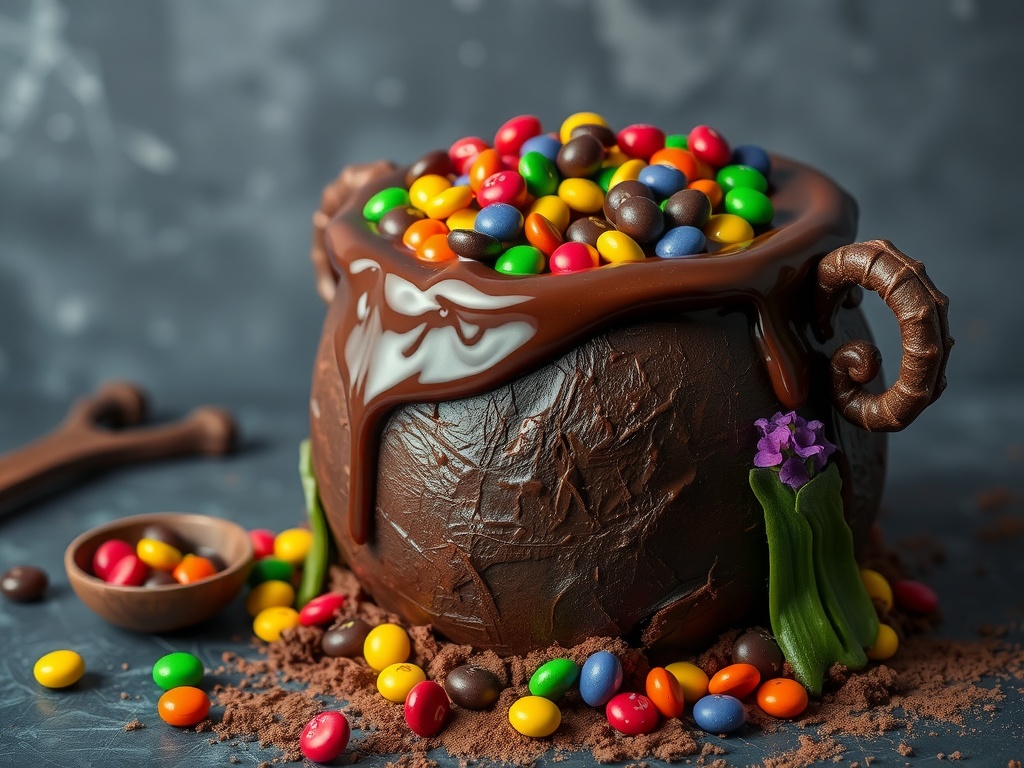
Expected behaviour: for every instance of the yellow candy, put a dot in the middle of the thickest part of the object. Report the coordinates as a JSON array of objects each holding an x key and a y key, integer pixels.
[
  {"x": 269, "y": 594},
  {"x": 426, "y": 188},
  {"x": 396, "y": 680},
  {"x": 158, "y": 555},
  {"x": 628, "y": 171},
  {"x": 617, "y": 247},
  {"x": 453, "y": 199},
  {"x": 886, "y": 644},
  {"x": 271, "y": 622},
  {"x": 386, "y": 644},
  {"x": 59, "y": 669},
  {"x": 464, "y": 219},
  {"x": 728, "y": 228},
  {"x": 877, "y": 587},
  {"x": 582, "y": 195},
  {"x": 293, "y": 545},
  {"x": 535, "y": 716},
  {"x": 692, "y": 680},
  {"x": 580, "y": 118},
  {"x": 614, "y": 157},
  {"x": 552, "y": 208}
]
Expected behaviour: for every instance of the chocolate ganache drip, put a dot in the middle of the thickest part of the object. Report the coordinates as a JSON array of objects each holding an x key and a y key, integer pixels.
[{"x": 415, "y": 332}]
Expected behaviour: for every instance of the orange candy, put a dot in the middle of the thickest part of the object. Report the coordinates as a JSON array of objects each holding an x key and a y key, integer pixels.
[
  {"x": 666, "y": 693},
  {"x": 541, "y": 233},
  {"x": 417, "y": 233},
  {"x": 435, "y": 249},
  {"x": 487, "y": 164},
  {"x": 737, "y": 680},
  {"x": 782, "y": 697},
  {"x": 193, "y": 568},
  {"x": 710, "y": 188},
  {"x": 679, "y": 159},
  {"x": 183, "y": 706}
]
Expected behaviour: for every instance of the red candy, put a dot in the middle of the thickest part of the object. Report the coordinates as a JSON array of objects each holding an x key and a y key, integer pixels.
[
  {"x": 464, "y": 151},
  {"x": 915, "y": 597},
  {"x": 129, "y": 571},
  {"x": 631, "y": 714},
  {"x": 510, "y": 137},
  {"x": 502, "y": 187},
  {"x": 640, "y": 141},
  {"x": 321, "y": 610},
  {"x": 574, "y": 257},
  {"x": 107, "y": 555},
  {"x": 427, "y": 709},
  {"x": 262, "y": 543},
  {"x": 325, "y": 737},
  {"x": 709, "y": 145}
]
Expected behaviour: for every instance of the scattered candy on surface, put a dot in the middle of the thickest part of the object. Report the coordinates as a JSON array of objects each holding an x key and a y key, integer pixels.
[
  {"x": 24, "y": 583},
  {"x": 760, "y": 651},
  {"x": 59, "y": 669},
  {"x": 293, "y": 545},
  {"x": 631, "y": 713},
  {"x": 877, "y": 587},
  {"x": 553, "y": 678},
  {"x": 782, "y": 698},
  {"x": 396, "y": 680},
  {"x": 325, "y": 737},
  {"x": 665, "y": 693},
  {"x": 346, "y": 639},
  {"x": 600, "y": 678},
  {"x": 427, "y": 709},
  {"x": 271, "y": 622},
  {"x": 473, "y": 687},
  {"x": 177, "y": 669},
  {"x": 718, "y": 713},
  {"x": 269, "y": 594},
  {"x": 915, "y": 597},
  {"x": 535, "y": 716},
  {"x": 262, "y": 543},
  {"x": 692, "y": 679},
  {"x": 183, "y": 706},
  {"x": 321, "y": 610},
  {"x": 886, "y": 644},
  {"x": 386, "y": 644},
  {"x": 737, "y": 680}
]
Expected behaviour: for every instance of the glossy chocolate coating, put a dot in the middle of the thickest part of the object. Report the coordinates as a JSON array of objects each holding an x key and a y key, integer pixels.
[
  {"x": 24, "y": 583},
  {"x": 588, "y": 229},
  {"x": 687, "y": 208},
  {"x": 392, "y": 225},
  {"x": 471, "y": 244},
  {"x": 602, "y": 133},
  {"x": 580, "y": 157},
  {"x": 640, "y": 218},
  {"x": 346, "y": 639},
  {"x": 437, "y": 163},
  {"x": 166, "y": 535},
  {"x": 759, "y": 650},
  {"x": 623, "y": 191},
  {"x": 472, "y": 687}
]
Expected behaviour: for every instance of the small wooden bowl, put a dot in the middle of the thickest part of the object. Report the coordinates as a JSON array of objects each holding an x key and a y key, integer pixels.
[{"x": 161, "y": 609}]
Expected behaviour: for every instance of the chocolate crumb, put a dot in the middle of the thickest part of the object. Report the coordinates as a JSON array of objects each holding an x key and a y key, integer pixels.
[
  {"x": 234, "y": 760},
  {"x": 1014, "y": 764},
  {"x": 905, "y": 750},
  {"x": 124, "y": 666},
  {"x": 125, "y": 695},
  {"x": 134, "y": 725}
]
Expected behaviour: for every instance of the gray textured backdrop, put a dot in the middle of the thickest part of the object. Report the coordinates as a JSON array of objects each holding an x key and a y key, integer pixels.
[{"x": 159, "y": 162}]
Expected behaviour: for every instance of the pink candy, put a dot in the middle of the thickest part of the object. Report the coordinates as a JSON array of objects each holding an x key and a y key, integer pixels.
[
  {"x": 321, "y": 610},
  {"x": 915, "y": 597},
  {"x": 502, "y": 187},
  {"x": 573, "y": 257},
  {"x": 631, "y": 713},
  {"x": 129, "y": 571},
  {"x": 262, "y": 543},
  {"x": 107, "y": 555}
]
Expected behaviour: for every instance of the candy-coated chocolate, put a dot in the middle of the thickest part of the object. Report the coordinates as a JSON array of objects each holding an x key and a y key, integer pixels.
[
  {"x": 107, "y": 555},
  {"x": 665, "y": 693},
  {"x": 579, "y": 118},
  {"x": 886, "y": 644},
  {"x": 737, "y": 680},
  {"x": 487, "y": 164},
  {"x": 553, "y": 678},
  {"x": 470, "y": 244},
  {"x": 59, "y": 669},
  {"x": 346, "y": 639},
  {"x": 420, "y": 231},
  {"x": 473, "y": 687},
  {"x": 604, "y": 177},
  {"x": 396, "y": 680},
  {"x": 628, "y": 171},
  {"x": 663, "y": 180},
  {"x": 501, "y": 221},
  {"x": 554, "y": 209},
  {"x": 158, "y": 555},
  {"x": 640, "y": 218},
  {"x": 427, "y": 709},
  {"x": 129, "y": 571},
  {"x": 600, "y": 678},
  {"x": 680, "y": 159},
  {"x": 580, "y": 157},
  {"x": 535, "y": 716},
  {"x": 692, "y": 679},
  {"x": 709, "y": 145},
  {"x": 270, "y": 568},
  {"x": 269, "y": 594},
  {"x": 728, "y": 228},
  {"x": 262, "y": 543},
  {"x": 602, "y": 133},
  {"x": 877, "y": 587},
  {"x": 436, "y": 162},
  {"x": 623, "y": 191},
  {"x": 676, "y": 140},
  {"x": 915, "y": 597},
  {"x": 321, "y": 610},
  {"x": 640, "y": 140},
  {"x": 503, "y": 187},
  {"x": 325, "y": 737},
  {"x": 741, "y": 176},
  {"x": 193, "y": 568},
  {"x": 759, "y": 650},
  {"x": 24, "y": 583},
  {"x": 545, "y": 144},
  {"x": 719, "y": 714},
  {"x": 618, "y": 247},
  {"x": 160, "y": 579},
  {"x": 161, "y": 532},
  {"x": 687, "y": 208},
  {"x": 711, "y": 190},
  {"x": 539, "y": 173},
  {"x": 521, "y": 260},
  {"x": 581, "y": 195},
  {"x": 542, "y": 234},
  {"x": 781, "y": 697},
  {"x": 514, "y": 132},
  {"x": 177, "y": 669},
  {"x": 271, "y": 622},
  {"x": 588, "y": 229},
  {"x": 448, "y": 201},
  {"x": 183, "y": 706},
  {"x": 573, "y": 257},
  {"x": 293, "y": 545},
  {"x": 426, "y": 188},
  {"x": 631, "y": 713},
  {"x": 461, "y": 181},
  {"x": 462, "y": 219},
  {"x": 749, "y": 204},
  {"x": 435, "y": 250},
  {"x": 384, "y": 201},
  {"x": 212, "y": 555},
  {"x": 464, "y": 151},
  {"x": 386, "y": 644},
  {"x": 754, "y": 156}
]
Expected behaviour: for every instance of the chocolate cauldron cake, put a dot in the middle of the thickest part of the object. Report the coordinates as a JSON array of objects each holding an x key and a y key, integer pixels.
[{"x": 522, "y": 460}]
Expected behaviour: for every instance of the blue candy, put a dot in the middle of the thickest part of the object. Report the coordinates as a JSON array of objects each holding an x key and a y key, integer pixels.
[
  {"x": 546, "y": 145},
  {"x": 499, "y": 220},
  {"x": 679, "y": 242},
  {"x": 462, "y": 181},
  {"x": 718, "y": 713},
  {"x": 664, "y": 180},
  {"x": 754, "y": 156},
  {"x": 600, "y": 678}
]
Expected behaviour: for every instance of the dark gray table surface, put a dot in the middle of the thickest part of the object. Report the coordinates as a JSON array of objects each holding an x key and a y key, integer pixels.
[{"x": 159, "y": 162}]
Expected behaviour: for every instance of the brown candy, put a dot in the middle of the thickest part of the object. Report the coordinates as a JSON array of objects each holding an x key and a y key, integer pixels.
[
  {"x": 472, "y": 687},
  {"x": 471, "y": 244},
  {"x": 587, "y": 230},
  {"x": 346, "y": 639},
  {"x": 580, "y": 157},
  {"x": 212, "y": 555},
  {"x": 160, "y": 579},
  {"x": 640, "y": 218},
  {"x": 24, "y": 583},
  {"x": 437, "y": 162},
  {"x": 687, "y": 208},
  {"x": 162, "y": 533},
  {"x": 392, "y": 225},
  {"x": 622, "y": 191},
  {"x": 602, "y": 133},
  {"x": 759, "y": 650}
]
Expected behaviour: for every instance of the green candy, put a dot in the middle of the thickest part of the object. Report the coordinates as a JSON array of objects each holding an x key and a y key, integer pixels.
[
  {"x": 553, "y": 679},
  {"x": 270, "y": 569},
  {"x": 177, "y": 669},
  {"x": 749, "y": 204},
  {"x": 677, "y": 140},
  {"x": 384, "y": 201},
  {"x": 521, "y": 260},
  {"x": 540, "y": 174},
  {"x": 737, "y": 176},
  {"x": 604, "y": 178}
]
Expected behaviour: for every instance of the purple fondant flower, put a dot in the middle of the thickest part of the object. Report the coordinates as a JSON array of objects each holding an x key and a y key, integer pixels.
[{"x": 794, "y": 445}]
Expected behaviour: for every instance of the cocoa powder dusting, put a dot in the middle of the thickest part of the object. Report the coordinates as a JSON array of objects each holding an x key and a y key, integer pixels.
[{"x": 289, "y": 681}]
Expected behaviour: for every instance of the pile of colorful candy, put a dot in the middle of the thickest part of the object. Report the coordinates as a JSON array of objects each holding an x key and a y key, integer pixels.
[
  {"x": 159, "y": 558},
  {"x": 531, "y": 202}
]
